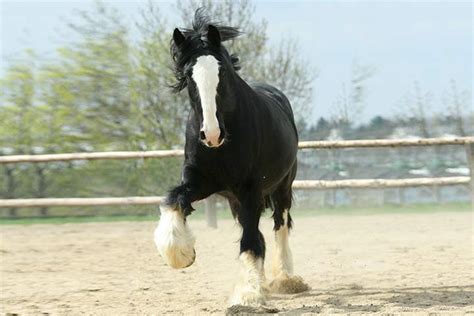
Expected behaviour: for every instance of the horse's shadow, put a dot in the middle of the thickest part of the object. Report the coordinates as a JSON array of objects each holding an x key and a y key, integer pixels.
[{"x": 354, "y": 299}]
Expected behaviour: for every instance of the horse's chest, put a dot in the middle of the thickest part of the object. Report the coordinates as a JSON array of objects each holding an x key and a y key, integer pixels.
[{"x": 225, "y": 168}]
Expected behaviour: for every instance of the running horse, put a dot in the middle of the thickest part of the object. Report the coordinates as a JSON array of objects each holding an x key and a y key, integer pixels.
[{"x": 241, "y": 143}]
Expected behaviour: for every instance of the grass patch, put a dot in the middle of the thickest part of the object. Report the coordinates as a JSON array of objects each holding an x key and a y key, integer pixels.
[{"x": 225, "y": 214}]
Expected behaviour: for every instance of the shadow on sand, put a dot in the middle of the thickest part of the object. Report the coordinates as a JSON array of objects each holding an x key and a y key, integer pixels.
[{"x": 355, "y": 299}]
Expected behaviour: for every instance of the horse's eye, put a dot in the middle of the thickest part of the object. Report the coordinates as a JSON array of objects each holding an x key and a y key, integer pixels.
[{"x": 204, "y": 44}]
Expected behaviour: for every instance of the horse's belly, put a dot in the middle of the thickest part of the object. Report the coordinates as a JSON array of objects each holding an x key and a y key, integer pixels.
[{"x": 276, "y": 169}]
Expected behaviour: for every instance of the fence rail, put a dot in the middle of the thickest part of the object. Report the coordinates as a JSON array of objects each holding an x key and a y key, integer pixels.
[
  {"x": 131, "y": 200},
  {"x": 301, "y": 184},
  {"x": 179, "y": 152},
  {"x": 386, "y": 142},
  {"x": 117, "y": 155},
  {"x": 298, "y": 184},
  {"x": 378, "y": 183}
]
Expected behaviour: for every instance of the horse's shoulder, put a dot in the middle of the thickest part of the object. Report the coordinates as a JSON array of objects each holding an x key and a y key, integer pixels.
[{"x": 275, "y": 99}]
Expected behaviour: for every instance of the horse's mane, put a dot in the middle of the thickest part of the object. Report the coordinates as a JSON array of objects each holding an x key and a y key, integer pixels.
[{"x": 199, "y": 30}]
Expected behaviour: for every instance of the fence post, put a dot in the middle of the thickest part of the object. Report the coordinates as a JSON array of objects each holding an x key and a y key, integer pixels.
[
  {"x": 210, "y": 211},
  {"x": 470, "y": 164}
]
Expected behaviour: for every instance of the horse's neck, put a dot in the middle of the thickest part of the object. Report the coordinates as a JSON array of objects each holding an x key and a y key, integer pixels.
[{"x": 239, "y": 93}]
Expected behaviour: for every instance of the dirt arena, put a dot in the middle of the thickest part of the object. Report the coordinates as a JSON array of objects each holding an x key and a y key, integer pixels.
[{"x": 391, "y": 263}]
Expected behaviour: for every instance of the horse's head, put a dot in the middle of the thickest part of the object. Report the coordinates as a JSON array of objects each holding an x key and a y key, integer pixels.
[{"x": 203, "y": 65}]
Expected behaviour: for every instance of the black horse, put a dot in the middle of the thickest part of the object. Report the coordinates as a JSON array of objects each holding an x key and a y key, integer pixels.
[{"x": 241, "y": 142}]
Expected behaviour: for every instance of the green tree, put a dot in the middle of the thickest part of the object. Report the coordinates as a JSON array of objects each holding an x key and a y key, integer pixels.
[
  {"x": 99, "y": 65},
  {"x": 19, "y": 127},
  {"x": 161, "y": 111}
]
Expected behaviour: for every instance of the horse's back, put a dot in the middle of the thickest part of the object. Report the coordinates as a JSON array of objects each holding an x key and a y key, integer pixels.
[
  {"x": 275, "y": 98},
  {"x": 280, "y": 140}
]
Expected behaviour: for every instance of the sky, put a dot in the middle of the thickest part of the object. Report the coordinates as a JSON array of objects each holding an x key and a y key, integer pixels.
[{"x": 404, "y": 41}]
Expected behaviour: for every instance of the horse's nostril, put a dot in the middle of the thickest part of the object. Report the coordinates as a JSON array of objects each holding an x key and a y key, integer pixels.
[
  {"x": 202, "y": 136},
  {"x": 222, "y": 135}
]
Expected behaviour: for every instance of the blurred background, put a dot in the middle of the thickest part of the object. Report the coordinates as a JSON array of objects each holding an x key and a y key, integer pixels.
[{"x": 85, "y": 76}]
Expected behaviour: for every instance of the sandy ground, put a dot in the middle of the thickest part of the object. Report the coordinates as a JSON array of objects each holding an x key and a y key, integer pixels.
[{"x": 355, "y": 264}]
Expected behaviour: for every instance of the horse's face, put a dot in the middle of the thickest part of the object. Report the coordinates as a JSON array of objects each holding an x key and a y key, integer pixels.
[{"x": 204, "y": 61}]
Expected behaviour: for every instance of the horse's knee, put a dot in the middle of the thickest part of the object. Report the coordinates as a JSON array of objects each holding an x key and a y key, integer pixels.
[
  {"x": 174, "y": 239},
  {"x": 180, "y": 198}
]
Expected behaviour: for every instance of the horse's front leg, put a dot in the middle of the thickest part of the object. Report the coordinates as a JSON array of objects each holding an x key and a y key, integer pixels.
[
  {"x": 249, "y": 291},
  {"x": 173, "y": 238}
]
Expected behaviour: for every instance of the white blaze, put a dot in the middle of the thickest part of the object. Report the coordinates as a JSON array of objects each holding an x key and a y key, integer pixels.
[{"x": 206, "y": 77}]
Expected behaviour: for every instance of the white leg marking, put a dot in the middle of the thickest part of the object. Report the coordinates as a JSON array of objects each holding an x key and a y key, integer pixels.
[
  {"x": 282, "y": 267},
  {"x": 206, "y": 77},
  {"x": 174, "y": 239},
  {"x": 282, "y": 257},
  {"x": 249, "y": 291}
]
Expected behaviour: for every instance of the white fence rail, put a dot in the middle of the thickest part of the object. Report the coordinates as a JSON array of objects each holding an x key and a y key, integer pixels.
[
  {"x": 297, "y": 184},
  {"x": 130, "y": 200},
  {"x": 179, "y": 152},
  {"x": 377, "y": 183},
  {"x": 301, "y": 184}
]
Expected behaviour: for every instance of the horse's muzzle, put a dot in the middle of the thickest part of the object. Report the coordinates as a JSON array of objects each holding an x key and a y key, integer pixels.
[{"x": 212, "y": 140}]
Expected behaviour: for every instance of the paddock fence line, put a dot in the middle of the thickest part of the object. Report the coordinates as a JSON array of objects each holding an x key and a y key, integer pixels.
[
  {"x": 179, "y": 152},
  {"x": 468, "y": 142},
  {"x": 297, "y": 184},
  {"x": 130, "y": 200}
]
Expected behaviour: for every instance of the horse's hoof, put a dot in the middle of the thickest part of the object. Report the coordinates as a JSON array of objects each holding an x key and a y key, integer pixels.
[
  {"x": 286, "y": 284},
  {"x": 179, "y": 258},
  {"x": 248, "y": 297},
  {"x": 174, "y": 239}
]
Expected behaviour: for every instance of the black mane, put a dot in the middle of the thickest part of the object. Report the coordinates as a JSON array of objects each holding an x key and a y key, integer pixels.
[{"x": 198, "y": 31}]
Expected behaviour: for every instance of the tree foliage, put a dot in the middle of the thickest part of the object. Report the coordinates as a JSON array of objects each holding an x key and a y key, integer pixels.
[{"x": 107, "y": 89}]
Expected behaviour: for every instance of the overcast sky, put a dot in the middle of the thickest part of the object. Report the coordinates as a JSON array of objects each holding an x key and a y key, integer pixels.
[{"x": 430, "y": 42}]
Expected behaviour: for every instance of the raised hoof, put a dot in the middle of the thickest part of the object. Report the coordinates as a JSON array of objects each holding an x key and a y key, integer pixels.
[
  {"x": 178, "y": 258},
  {"x": 286, "y": 284},
  {"x": 174, "y": 240}
]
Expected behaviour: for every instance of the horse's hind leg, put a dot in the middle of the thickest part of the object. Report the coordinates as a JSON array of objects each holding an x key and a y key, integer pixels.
[{"x": 282, "y": 264}]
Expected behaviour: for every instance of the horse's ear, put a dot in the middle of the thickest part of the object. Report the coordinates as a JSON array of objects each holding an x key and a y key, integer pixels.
[
  {"x": 178, "y": 37},
  {"x": 213, "y": 35}
]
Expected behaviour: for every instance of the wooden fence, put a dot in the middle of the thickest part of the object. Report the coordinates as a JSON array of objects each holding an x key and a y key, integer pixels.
[{"x": 468, "y": 142}]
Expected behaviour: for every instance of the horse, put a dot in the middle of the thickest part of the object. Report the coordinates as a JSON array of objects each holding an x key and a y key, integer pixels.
[{"x": 241, "y": 143}]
